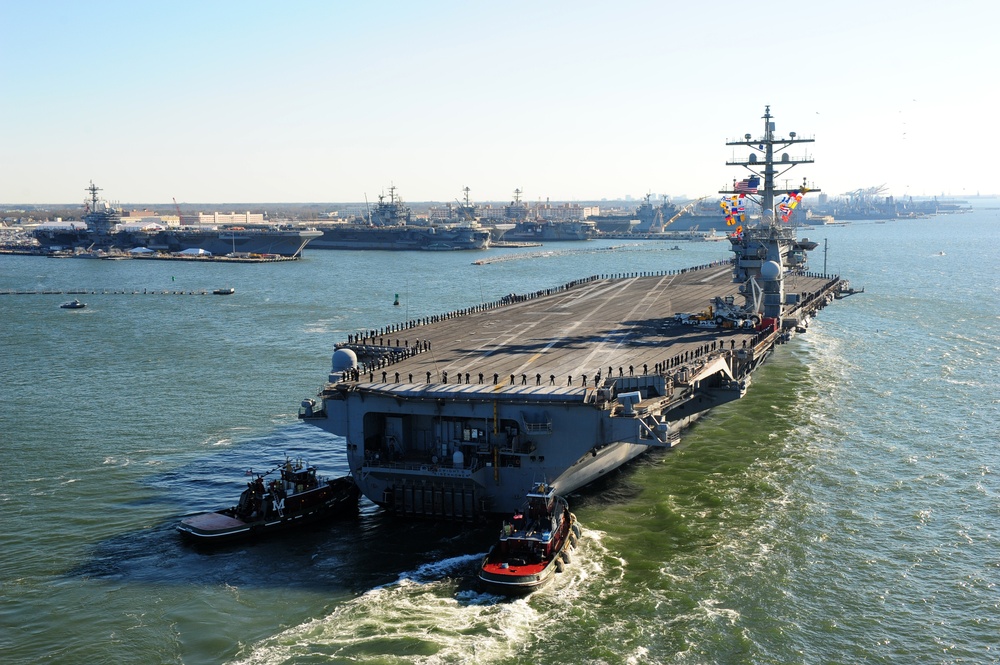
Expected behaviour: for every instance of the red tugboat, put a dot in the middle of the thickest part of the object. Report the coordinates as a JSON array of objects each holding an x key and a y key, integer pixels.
[
  {"x": 533, "y": 546},
  {"x": 297, "y": 498}
]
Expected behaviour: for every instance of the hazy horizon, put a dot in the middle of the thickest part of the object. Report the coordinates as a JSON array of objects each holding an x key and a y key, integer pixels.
[
  {"x": 329, "y": 101},
  {"x": 167, "y": 207}
]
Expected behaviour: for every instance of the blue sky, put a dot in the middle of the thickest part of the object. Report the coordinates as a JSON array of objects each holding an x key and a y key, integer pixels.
[{"x": 334, "y": 101}]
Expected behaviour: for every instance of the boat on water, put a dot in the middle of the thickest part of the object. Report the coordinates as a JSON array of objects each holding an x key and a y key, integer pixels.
[
  {"x": 687, "y": 220},
  {"x": 710, "y": 236},
  {"x": 548, "y": 230},
  {"x": 647, "y": 218},
  {"x": 399, "y": 238},
  {"x": 295, "y": 498},
  {"x": 533, "y": 546},
  {"x": 224, "y": 292},
  {"x": 73, "y": 304},
  {"x": 465, "y": 431},
  {"x": 389, "y": 226},
  {"x": 102, "y": 233},
  {"x": 519, "y": 222}
]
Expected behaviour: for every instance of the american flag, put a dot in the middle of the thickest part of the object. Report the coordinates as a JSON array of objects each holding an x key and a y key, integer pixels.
[{"x": 747, "y": 186}]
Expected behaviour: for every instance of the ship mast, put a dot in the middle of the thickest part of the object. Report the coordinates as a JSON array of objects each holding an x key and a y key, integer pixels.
[
  {"x": 766, "y": 251},
  {"x": 93, "y": 189},
  {"x": 100, "y": 217},
  {"x": 767, "y": 170}
]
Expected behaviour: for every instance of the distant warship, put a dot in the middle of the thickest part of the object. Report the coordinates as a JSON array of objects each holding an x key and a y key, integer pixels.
[
  {"x": 102, "y": 229},
  {"x": 389, "y": 227}
]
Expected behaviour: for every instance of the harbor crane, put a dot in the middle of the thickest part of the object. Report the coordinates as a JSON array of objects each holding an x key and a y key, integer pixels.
[{"x": 679, "y": 213}]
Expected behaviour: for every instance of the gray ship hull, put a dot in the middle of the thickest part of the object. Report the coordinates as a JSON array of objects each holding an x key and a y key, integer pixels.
[
  {"x": 551, "y": 231},
  {"x": 519, "y": 408},
  {"x": 399, "y": 238},
  {"x": 431, "y": 446},
  {"x": 280, "y": 242}
]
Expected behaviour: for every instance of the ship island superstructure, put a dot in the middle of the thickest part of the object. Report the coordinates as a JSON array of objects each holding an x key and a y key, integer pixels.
[{"x": 459, "y": 415}]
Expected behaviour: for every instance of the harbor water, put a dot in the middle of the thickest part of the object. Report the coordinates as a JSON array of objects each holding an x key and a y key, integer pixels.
[{"x": 846, "y": 510}]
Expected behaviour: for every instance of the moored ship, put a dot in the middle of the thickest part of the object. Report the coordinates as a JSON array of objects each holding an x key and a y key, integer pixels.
[
  {"x": 547, "y": 230},
  {"x": 102, "y": 229},
  {"x": 647, "y": 218},
  {"x": 568, "y": 383},
  {"x": 520, "y": 222},
  {"x": 389, "y": 227},
  {"x": 426, "y": 238}
]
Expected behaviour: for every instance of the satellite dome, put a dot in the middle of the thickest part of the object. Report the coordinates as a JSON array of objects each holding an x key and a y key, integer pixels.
[
  {"x": 769, "y": 271},
  {"x": 344, "y": 359}
]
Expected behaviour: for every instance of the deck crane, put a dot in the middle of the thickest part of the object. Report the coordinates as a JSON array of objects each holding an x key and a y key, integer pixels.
[{"x": 178, "y": 209}]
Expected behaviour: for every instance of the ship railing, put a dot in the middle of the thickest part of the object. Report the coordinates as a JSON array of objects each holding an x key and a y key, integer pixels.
[
  {"x": 536, "y": 423},
  {"x": 648, "y": 384},
  {"x": 443, "y": 469},
  {"x": 422, "y": 462},
  {"x": 812, "y": 301}
]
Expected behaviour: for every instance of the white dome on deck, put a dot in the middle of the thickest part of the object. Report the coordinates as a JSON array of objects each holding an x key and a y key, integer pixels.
[
  {"x": 344, "y": 359},
  {"x": 770, "y": 270}
]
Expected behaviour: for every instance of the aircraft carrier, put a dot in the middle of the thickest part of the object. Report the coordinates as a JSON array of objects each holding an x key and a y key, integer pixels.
[
  {"x": 102, "y": 230},
  {"x": 390, "y": 227},
  {"x": 457, "y": 416}
]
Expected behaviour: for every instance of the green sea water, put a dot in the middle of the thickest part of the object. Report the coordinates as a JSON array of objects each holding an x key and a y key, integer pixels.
[{"x": 846, "y": 510}]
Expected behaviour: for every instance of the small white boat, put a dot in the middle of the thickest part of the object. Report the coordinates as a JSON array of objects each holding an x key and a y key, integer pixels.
[{"x": 73, "y": 304}]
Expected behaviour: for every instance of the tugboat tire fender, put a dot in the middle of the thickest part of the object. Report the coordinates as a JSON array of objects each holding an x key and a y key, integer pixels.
[
  {"x": 565, "y": 556},
  {"x": 559, "y": 565},
  {"x": 576, "y": 529}
]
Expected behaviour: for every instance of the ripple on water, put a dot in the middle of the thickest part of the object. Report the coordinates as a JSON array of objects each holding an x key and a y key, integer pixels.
[{"x": 429, "y": 615}]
